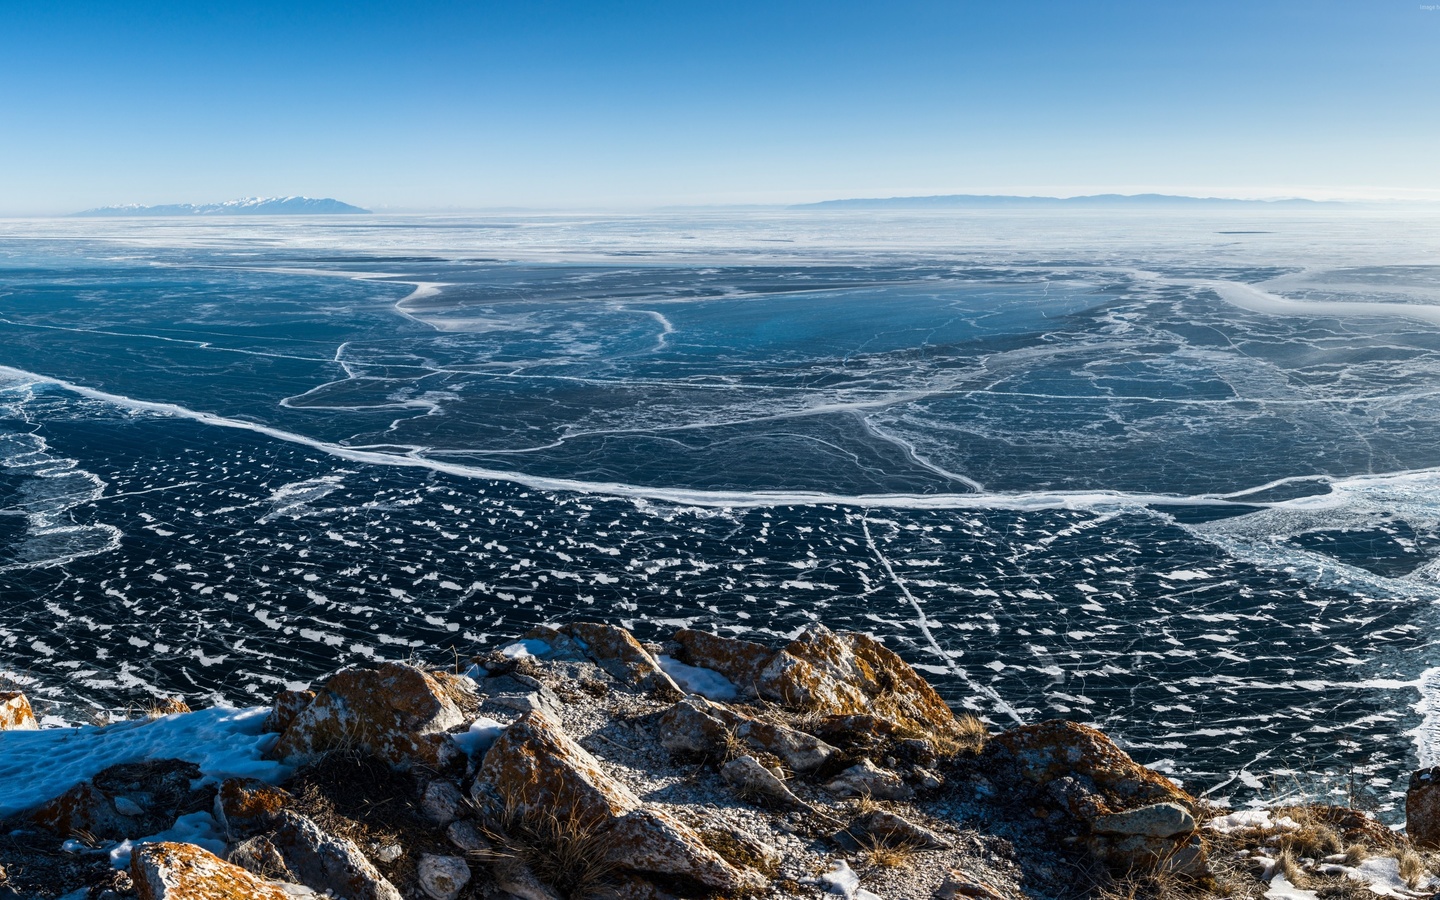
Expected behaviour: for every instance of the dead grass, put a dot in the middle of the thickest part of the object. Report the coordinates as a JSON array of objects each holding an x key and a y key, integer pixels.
[
  {"x": 568, "y": 852},
  {"x": 877, "y": 854},
  {"x": 1412, "y": 867}
]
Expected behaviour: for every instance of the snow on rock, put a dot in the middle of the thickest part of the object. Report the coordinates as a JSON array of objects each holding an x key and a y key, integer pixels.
[
  {"x": 36, "y": 766},
  {"x": 708, "y": 683},
  {"x": 478, "y": 738},
  {"x": 1281, "y": 889},
  {"x": 199, "y": 829},
  {"x": 528, "y": 647}
]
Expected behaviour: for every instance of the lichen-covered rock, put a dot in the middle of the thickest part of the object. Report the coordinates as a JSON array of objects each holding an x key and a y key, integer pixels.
[
  {"x": 865, "y": 779},
  {"x": 397, "y": 712},
  {"x": 84, "y": 808},
  {"x": 1055, "y": 749},
  {"x": 288, "y": 704},
  {"x": 697, "y": 725},
  {"x": 171, "y": 871},
  {"x": 740, "y": 661},
  {"x": 1422, "y": 809},
  {"x": 534, "y": 768},
  {"x": 752, "y": 781},
  {"x": 246, "y": 806},
  {"x": 15, "y": 712},
  {"x": 325, "y": 862},
  {"x": 1119, "y": 803},
  {"x": 621, "y": 656},
  {"x": 442, "y": 877},
  {"x": 853, "y": 674}
]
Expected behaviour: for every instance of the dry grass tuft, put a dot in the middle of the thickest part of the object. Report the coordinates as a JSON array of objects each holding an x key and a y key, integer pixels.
[
  {"x": 1355, "y": 854},
  {"x": 1412, "y": 867},
  {"x": 879, "y": 855},
  {"x": 569, "y": 853},
  {"x": 972, "y": 733}
]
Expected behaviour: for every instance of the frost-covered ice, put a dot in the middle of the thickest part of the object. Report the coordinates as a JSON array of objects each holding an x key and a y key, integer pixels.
[
  {"x": 1067, "y": 465},
  {"x": 38, "y": 765}
]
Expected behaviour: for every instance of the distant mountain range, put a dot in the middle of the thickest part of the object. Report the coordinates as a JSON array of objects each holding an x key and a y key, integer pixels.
[
  {"x": 1000, "y": 201},
  {"x": 248, "y": 206}
]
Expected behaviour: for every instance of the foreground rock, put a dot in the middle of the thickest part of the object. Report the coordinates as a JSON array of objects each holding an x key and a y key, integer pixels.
[
  {"x": 397, "y": 712},
  {"x": 171, "y": 871},
  {"x": 572, "y": 765},
  {"x": 535, "y": 771},
  {"x": 825, "y": 672},
  {"x": 15, "y": 712},
  {"x": 1133, "y": 818}
]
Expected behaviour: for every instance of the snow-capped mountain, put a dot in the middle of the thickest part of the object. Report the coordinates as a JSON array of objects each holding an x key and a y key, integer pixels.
[{"x": 246, "y": 206}]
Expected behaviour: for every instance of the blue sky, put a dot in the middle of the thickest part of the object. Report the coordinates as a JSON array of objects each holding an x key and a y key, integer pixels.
[{"x": 569, "y": 104}]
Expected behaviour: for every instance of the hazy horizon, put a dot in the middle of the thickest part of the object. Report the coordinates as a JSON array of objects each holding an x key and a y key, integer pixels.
[{"x": 466, "y": 107}]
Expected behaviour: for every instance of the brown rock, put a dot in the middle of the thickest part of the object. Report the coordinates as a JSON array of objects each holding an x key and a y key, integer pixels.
[
  {"x": 886, "y": 829},
  {"x": 246, "y": 806},
  {"x": 325, "y": 862},
  {"x": 740, "y": 661},
  {"x": 15, "y": 712},
  {"x": 961, "y": 885},
  {"x": 397, "y": 712},
  {"x": 534, "y": 768},
  {"x": 171, "y": 871},
  {"x": 288, "y": 704},
  {"x": 865, "y": 779},
  {"x": 853, "y": 674},
  {"x": 752, "y": 781},
  {"x": 1422, "y": 809},
  {"x": 1122, "y": 805},
  {"x": 85, "y": 808},
  {"x": 1048, "y": 751},
  {"x": 617, "y": 652},
  {"x": 697, "y": 725}
]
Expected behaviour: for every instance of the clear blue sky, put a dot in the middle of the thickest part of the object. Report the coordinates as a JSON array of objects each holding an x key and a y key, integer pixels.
[{"x": 570, "y": 104}]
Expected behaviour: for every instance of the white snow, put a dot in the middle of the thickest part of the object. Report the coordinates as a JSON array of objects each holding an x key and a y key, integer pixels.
[
  {"x": 1251, "y": 818},
  {"x": 483, "y": 732},
  {"x": 198, "y": 828},
  {"x": 527, "y": 647},
  {"x": 1281, "y": 889},
  {"x": 708, "y": 683},
  {"x": 36, "y": 766},
  {"x": 842, "y": 880}
]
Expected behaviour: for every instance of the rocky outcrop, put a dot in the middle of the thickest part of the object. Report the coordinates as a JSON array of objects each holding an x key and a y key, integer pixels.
[
  {"x": 398, "y": 712},
  {"x": 536, "y": 769},
  {"x": 827, "y": 673},
  {"x": 1422, "y": 808},
  {"x": 325, "y": 862},
  {"x": 568, "y": 767},
  {"x": 15, "y": 712},
  {"x": 1134, "y": 818},
  {"x": 173, "y": 871}
]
